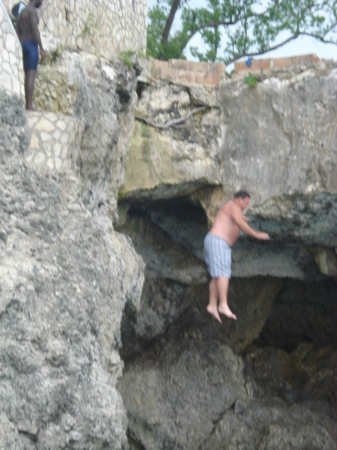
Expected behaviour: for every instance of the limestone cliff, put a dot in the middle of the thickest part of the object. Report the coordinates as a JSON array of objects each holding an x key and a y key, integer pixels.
[
  {"x": 98, "y": 349},
  {"x": 65, "y": 274},
  {"x": 193, "y": 146}
]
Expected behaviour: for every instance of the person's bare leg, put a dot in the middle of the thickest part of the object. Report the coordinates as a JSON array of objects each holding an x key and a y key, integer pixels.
[
  {"x": 29, "y": 88},
  {"x": 26, "y": 89},
  {"x": 212, "y": 307},
  {"x": 222, "y": 287}
]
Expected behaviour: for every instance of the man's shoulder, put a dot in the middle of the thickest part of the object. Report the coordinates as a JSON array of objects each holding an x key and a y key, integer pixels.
[
  {"x": 232, "y": 205},
  {"x": 225, "y": 206},
  {"x": 228, "y": 208},
  {"x": 235, "y": 210},
  {"x": 31, "y": 9}
]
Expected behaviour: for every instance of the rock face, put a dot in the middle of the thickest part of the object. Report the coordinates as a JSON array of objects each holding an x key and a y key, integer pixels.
[
  {"x": 268, "y": 380},
  {"x": 98, "y": 349},
  {"x": 65, "y": 275},
  {"x": 102, "y": 96}
]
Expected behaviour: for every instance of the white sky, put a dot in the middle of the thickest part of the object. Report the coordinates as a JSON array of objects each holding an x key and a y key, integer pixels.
[{"x": 301, "y": 46}]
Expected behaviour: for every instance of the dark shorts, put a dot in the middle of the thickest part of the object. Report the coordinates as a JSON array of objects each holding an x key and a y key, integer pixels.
[
  {"x": 218, "y": 256},
  {"x": 30, "y": 51}
]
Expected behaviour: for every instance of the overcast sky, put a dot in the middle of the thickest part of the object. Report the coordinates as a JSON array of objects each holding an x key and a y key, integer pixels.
[{"x": 301, "y": 46}]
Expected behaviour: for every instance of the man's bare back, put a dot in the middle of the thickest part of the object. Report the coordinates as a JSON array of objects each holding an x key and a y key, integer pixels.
[{"x": 27, "y": 24}]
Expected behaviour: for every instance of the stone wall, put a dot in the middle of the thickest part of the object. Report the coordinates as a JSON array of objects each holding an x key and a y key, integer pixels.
[
  {"x": 102, "y": 27},
  {"x": 54, "y": 141},
  {"x": 210, "y": 74},
  {"x": 11, "y": 71}
]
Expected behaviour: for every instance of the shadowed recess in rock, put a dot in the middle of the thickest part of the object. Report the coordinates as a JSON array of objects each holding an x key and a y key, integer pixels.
[{"x": 285, "y": 334}]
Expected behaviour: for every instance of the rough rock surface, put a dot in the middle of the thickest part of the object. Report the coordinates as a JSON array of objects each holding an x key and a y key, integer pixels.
[
  {"x": 191, "y": 386},
  {"x": 71, "y": 284},
  {"x": 65, "y": 278},
  {"x": 102, "y": 95},
  {"x": 192, "y": 148}
]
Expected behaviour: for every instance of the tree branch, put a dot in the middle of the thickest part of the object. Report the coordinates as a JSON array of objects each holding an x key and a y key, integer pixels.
[
  {"x": 219, "y": 23},
  {"x": 319, "y": 38},
  {"x": 295, "y": 18},
  {"x": 172, "y": 122},
  {"x": 291, "y": 38},
  {"x": 269, "y": 49}
]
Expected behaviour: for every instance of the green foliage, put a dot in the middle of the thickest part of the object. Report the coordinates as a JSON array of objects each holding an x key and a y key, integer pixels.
[
  {"x": 250, "y": 80},
  {"x": 127, "y": 57},
  {"x": 234, "y": 29},
  {"x": 56, "y": 53},
  {"x": 141, "y": 53},
  {"x": 90, "y": 26}
]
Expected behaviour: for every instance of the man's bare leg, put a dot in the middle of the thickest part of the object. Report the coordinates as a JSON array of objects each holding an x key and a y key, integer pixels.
[
  {"x": 222, "y": 287},
  {"x": 212, "y": 307},
  {"x": 29, "y": 88}
]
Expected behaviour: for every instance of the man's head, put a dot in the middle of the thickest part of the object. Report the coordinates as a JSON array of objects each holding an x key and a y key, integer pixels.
[
  {"x": 242, "y": 198},
  {"x": 37, "y": 3}
]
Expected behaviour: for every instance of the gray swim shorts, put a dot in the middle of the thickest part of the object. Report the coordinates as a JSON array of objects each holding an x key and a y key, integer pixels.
[{"x": 217, "y": 256}]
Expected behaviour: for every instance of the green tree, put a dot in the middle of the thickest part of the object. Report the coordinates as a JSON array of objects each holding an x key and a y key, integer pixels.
[{"x": 232, "y": 29}]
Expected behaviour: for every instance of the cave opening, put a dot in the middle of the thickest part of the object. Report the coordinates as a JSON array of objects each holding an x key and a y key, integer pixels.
[{"x": 286, "y": 330}]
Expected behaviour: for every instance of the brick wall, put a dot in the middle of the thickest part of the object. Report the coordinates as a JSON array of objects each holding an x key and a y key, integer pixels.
[
  {"x": 188, "y": 72},
  {"x": 258, "y": 65}
]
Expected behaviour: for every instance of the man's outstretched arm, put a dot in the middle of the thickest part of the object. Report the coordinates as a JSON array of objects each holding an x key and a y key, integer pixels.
[{"x": 241, "y": 222}]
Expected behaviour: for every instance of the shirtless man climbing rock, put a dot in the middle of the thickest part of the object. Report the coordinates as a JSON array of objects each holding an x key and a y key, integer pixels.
[{"x": 217, "y": 245}]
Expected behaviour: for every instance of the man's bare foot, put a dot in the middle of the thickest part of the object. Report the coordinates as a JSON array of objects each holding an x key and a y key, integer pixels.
[
  {"x": 214, "y": 312},
  {"x": 223, "y": 309}
]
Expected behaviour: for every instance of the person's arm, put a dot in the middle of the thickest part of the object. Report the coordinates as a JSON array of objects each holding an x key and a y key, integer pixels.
[
  {"x": 241, "y": 222},
  {"x": 17, "y": 29},
  {"x": 34, "y": 26}
]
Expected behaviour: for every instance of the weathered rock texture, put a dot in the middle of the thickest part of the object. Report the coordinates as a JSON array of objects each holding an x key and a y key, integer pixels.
[
  {"x": 65, "y": 274},
  {"x": 71, "y": 285},
  {"x": 268, "y": 380}
]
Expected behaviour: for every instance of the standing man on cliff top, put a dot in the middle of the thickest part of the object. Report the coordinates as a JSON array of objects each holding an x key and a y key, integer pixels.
[
  {"x": 27, "y": 29},
  {"x": 217, "y": 245}
]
